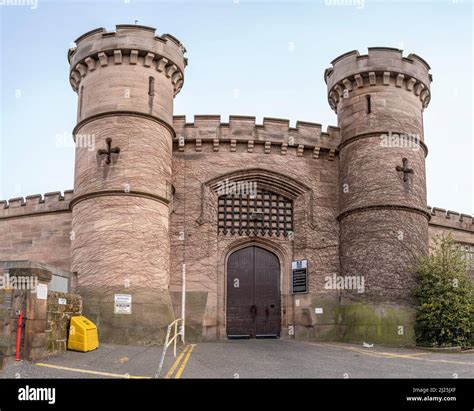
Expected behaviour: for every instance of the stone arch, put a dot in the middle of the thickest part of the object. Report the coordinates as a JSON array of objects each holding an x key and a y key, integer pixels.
[
  {"x": 281, "y": 251},
  {"x": 278, "y": 182},
  {"x": 261, "y": 242},
  {"x": 265, "y": 179}
]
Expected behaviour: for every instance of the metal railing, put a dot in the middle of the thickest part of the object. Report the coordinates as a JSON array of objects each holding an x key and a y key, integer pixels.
[{"x": 173, "y": 340}]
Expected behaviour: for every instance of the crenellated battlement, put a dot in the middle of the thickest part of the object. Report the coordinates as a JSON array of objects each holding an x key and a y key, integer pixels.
[
  {"x": 36, "y": 204},
  {"x": 244, "y": 130},
  {"x": 382, "y": 66},
  {"x": 451, "y": 219},
  {"x": 128, "y": 44}
]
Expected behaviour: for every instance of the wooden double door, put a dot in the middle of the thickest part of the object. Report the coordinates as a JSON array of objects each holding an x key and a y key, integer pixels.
[{"x": 253, "y": 294}]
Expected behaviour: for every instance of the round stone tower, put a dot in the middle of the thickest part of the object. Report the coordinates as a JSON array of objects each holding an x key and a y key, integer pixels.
[
  {"x": 379, "y": 99},
  {"x": 126, "y": 81}
]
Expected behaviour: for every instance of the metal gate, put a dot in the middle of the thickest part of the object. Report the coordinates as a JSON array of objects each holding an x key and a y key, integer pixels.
[{"x": 253, "y": 294}]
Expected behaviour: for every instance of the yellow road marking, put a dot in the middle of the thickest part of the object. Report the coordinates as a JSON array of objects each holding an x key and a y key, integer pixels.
[
  {"x": 105, "y": 374},
  {"x": 176, "y": 363},
  {"x": 390, "y": 355},
  {"x": 353, "y": 349},
  {"x": 183, "y": 364},
  {"x": 383, "y": 354},
  {"x": 445, "y": 361}
]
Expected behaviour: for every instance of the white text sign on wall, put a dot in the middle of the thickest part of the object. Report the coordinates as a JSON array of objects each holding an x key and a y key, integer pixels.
[{"x": 123, "y": 304}]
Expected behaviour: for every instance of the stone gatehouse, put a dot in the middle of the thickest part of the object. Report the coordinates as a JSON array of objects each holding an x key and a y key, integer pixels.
[{"x": 296, "y": 232}]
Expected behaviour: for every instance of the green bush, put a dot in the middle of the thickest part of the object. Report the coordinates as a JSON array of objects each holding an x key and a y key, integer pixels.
[{"x": 444, "y": 293}]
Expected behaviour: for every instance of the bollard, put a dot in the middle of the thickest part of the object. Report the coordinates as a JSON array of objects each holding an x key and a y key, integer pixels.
[{"x": 18, "y": 337}]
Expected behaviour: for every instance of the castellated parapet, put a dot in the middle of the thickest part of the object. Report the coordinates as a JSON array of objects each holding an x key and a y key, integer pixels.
[
  {"x": 123, "y": 70},
  {"x": 53, "y": 202},
  {"x": 129, "y": 44},
  {"x": 451, "y": 219},
  {"x": 275, "y": 135},
  {"x": 381, "y": 66},
  {"x": 381, "y": 76}
]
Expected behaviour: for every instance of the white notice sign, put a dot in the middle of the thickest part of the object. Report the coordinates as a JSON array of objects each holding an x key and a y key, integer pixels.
[
  {"x": 123, "y": 304},
  {"x": 41, "y": 291},
  {"x": 62, "y": 301}
]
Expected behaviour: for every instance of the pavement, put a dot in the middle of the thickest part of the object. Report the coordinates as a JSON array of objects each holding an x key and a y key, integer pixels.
[{"x": 265, "y": 358}]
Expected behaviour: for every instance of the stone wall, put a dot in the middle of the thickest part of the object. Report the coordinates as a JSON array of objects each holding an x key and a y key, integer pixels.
[
  {"x": 33, "y": 307},
  {"x": 276, "y": 157},
  {"x": 45, "y": 321},
  {"x": 41, "y": 227},
  {"x": 459, "y": 226},
  {"x": 37, "y": 228},
  {"x": 7, "y": 326},
  {"x": 60, "y": 308}
]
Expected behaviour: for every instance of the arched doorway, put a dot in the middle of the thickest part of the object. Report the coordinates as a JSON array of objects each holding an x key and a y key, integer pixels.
[{"x": 253, "y": 294}]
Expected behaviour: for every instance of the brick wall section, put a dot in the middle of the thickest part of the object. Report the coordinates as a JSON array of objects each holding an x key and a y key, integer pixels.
[{"x": 58, "y": 319}]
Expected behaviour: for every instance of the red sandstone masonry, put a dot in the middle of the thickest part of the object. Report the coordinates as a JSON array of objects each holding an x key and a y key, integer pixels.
[
  {"x": 128, "y": 44},
  {"x": 36, "y": 204},
  {"x": 128, "y": 237},
  {"x": 451, "y": 219},
  {"x": 381, "y": 65},
  {"x": 244, "y": 130}
]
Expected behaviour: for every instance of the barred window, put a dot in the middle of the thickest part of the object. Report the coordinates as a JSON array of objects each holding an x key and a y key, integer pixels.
[
  {"x": 263, "y": 213},
  {"x": 468, "y": 250}
]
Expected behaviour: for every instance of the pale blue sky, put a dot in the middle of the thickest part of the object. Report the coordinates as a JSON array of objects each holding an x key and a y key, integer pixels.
[{"x": 274, "y": 53}]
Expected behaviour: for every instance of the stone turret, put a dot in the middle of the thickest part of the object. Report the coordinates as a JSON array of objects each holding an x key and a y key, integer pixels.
[
  {"x": 126, "y": 81},
  {"x": 379, "y": 99}
]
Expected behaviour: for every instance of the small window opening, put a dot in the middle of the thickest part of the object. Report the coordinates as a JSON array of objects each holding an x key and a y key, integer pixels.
[
  {"x": 81, "y": 92},
  {"x": 151, "y": 86},
  {"x": 369, "y": 104}
]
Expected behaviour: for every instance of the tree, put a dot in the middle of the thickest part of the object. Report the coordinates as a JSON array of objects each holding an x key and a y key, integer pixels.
[{"x": 444, "y": 293}]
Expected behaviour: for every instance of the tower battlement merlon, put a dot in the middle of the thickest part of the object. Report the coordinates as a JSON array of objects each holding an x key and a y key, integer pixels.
[
  {"x": 128, "y": 44},
  {"x": 382, "y": 66}
]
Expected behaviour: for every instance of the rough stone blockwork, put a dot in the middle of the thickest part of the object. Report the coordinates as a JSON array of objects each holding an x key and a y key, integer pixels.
[
  {"x": 273, "y": 136},
  {"x": 61, "y": 307}
]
